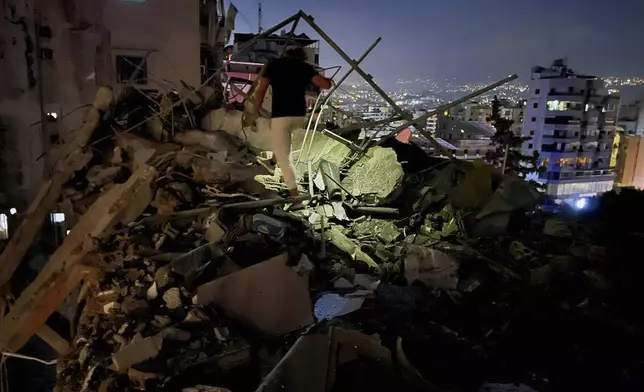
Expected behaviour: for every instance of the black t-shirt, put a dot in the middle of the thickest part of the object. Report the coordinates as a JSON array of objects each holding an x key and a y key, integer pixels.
[{"x": 289, "y": 78}]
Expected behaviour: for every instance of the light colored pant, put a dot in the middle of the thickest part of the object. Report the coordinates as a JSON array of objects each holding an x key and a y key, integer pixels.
[{"x": 280, "y": 140}]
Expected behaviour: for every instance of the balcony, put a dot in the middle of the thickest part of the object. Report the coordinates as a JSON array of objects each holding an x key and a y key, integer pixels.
[
  {"x": 561, "y": 95},
  {"x": 562, "y": 120}
]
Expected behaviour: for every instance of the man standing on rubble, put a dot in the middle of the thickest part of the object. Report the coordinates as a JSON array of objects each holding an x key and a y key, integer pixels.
[{"x": 288, "y": 76}]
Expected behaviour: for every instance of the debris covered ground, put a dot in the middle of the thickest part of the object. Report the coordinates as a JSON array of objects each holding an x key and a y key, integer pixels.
[
  {"x": 388, "y": 274},
  {"x": 393, "y": 271}
]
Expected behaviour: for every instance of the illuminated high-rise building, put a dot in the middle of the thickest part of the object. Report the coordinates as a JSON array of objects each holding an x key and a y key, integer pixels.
[{"x": 571, "y": 119}]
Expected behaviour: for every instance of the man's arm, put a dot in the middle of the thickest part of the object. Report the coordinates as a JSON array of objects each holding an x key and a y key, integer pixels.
[
  {"x": 258, "y": 98},
  {"x": 321, "y": 81}
]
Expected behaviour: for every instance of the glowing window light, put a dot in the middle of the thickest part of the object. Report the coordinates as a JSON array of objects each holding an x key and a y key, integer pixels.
[{"x": 57, "y": 217}]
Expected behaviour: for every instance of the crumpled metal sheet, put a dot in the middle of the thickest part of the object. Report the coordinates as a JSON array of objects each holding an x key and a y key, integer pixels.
[{"x": 377, "y": 173}]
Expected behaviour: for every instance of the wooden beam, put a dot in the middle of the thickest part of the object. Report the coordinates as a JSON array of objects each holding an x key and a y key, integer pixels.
[
  {"x": 72, "y": 159},
  {"x": 53, "y": 339},
  {"x": 65, "y": 270}
]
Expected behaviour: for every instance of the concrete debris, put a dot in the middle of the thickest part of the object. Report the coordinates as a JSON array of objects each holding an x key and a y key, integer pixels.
[
  {"x": 139, "y": 350},
  {"x": 448, "y": 261},
  {"x": 172, "y": 298},
  {"x": 386, "y": 231},
  {"x": 268, "y": 296},
  {"x": 214, "y": 232},
  {"x": 431, "y": 267},
  {"x": 343, "y": 243},
  {"x": 375, "y": 176}
]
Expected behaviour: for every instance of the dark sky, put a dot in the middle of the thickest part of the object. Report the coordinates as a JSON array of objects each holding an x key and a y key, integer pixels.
[{"x": 471, "y": 40}]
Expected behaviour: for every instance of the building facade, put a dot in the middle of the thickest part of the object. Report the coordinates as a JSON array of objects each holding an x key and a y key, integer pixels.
[
  {"x": 630, "y": 162},
  {"x": 468, "y": 140},
  {"x": 571, "y": 119},
  {"x": 55, "y": 54},
  {"x": 631, "y": 119},
  {"x": 375, "y": 113}
]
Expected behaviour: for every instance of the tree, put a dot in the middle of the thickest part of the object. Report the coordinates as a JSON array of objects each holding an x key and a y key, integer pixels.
[{"x": 508, "y": 146}]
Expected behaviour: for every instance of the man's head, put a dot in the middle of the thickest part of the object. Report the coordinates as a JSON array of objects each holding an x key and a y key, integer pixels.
[{"x": 296, "y": 53}]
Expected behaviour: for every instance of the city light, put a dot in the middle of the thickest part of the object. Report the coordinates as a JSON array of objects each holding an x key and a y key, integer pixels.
[
  {"x": 580, "y": 204},
  {"x": 57, "y": 217},
  {"x": 13, "y": 211}
]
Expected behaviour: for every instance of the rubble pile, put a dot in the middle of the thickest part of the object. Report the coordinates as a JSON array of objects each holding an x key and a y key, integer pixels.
[{"x": 386, "y": 274}]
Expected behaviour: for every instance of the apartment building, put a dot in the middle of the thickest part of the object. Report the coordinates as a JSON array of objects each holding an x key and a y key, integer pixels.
[{"x": 571, "y": 119}]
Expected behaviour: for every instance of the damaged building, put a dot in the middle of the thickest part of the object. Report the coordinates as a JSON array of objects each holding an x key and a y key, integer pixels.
[{"x": 185, "y": 266}]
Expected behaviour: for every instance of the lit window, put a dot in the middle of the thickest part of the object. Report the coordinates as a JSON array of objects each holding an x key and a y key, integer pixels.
[
  {"x": 4, "y": 227},
  {"x": 57, "y": 217}
]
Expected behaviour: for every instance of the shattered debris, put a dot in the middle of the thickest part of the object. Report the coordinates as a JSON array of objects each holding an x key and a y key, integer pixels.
[{"x": 442, "y": 278}]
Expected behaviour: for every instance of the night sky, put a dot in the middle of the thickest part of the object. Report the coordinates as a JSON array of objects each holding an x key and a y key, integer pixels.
[{"x": 471, "y": 40}]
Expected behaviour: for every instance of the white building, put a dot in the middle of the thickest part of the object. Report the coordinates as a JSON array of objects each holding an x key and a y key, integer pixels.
[
  {"x": 468, "y": 140},
  {"x": 571, "y": 119},
  {"x": 376, "y": 113},
  {"x": 516, "y": 114},
  {"x": 430, "y": 123}
]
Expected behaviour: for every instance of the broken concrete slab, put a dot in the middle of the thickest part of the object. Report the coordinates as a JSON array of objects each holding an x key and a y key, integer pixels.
[
  {"x": 375, "y": 175},
  {"x": 189, "y": 264},
  {"x": 345, "y": 244},
  {"x": 139, "y": 350},
  {"x": 433, "y": 268},
  {"x": 385, "y": 230},
  {"x": 269, "y": 296}
]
